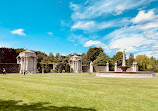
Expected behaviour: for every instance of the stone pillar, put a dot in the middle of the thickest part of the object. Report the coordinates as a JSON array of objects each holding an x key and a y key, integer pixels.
[
  {"x": 77, "y": 67},
  {"x": 115, "y": 69},
  {"x": 135, "y": 67},
  {"x": 43, "y": 68},
  {"x": 81, "y": 66},
  {"x": 22, "y": 65},
  {"x": 124, "y": 59},
  {"x": 35, "y": 65},
  {"x": 27, "y": 64},
  {"x": 107, "y": 67},
  {"x": 91, "y": 67}
]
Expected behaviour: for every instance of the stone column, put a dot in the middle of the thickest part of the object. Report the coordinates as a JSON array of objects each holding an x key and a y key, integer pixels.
[
  {"x": 124, "y": 59},
  {"x": 21, "y": 65},
  {"x": 135, "y": 67},
  {"x": 81, "y": 66},
  {"x": 27, "y": 63},
  {"x": 115, "y": 69},
  {"x": 107, "y": 67},
  {"x": 77, "y": 67},
  {"x": 91, "y": 67},
  {"x": 43, "y": 68},
  {"x": 35, "y": 65},
  {"x": 74, "y": 66}
]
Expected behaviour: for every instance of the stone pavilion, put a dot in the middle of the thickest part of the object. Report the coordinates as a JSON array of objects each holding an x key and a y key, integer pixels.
[
  {"x": 28, "y": 61},
  {"x": 75, "y": 64}
]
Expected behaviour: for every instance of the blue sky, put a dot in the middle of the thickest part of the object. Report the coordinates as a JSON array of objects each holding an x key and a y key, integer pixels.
[{"x": 68, "y": 26}]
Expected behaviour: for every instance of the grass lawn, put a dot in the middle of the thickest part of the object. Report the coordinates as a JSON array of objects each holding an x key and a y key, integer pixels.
[{"x": 76, "y": 92}]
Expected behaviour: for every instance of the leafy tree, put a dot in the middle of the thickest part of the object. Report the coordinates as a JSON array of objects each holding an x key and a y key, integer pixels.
[
  {"x": 152, "y": 66},
  {"x": 130, "y": 60},
  {"x": 40, "y": 55},
  {"x": 51, "y": 57},
  {"x": 8, "y": 55},
  {"x": 92, "y": 53},
  {"x": 102, "y": 59},
  {"x": 60, "y": 67},
  {"x": 67, "y": 67},
  {"x": 20, "y": 50},
  {"x": 56, "y": 59},
  {"x": 143, "y": 62},
  {"x": 117, "y": 58},
  {"x": 85, "y": 62}
]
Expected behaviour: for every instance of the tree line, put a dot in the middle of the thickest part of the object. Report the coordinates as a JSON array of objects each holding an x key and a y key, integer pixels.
[{"x": 94, "y": 54}]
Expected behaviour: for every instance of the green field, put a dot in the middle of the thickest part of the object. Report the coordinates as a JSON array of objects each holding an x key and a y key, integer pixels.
[{"x": 76, "y": 92}]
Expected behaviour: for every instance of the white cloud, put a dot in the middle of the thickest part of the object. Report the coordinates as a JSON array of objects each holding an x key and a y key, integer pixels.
[
  {"x": 144, "y": 16},
  {"x": 139, "y": 34},
  {"x": 96, "y": 44},
  {"x": 148, "y": 53},
  {"x": 96, "y": 8},
  {"x": 130, "y": 44},
  {"x": 50, "y": 33},
  {"x": 18, "y": 32},
  {"x": 83, "y": 25},
  {"x": 148, "y": 25},
  {"x": 91, "y": 43},
  {"x": 93, "y": 26},
  {"x": 74, "y": 7}
]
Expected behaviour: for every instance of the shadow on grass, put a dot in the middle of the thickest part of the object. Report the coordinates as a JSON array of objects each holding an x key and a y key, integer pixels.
[{"x": 12, "y": 105}]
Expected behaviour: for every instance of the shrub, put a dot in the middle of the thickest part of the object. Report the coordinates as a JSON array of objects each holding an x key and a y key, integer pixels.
[
  {"x": 54, "y": 71},
  {"x": 67, "y": 67}
]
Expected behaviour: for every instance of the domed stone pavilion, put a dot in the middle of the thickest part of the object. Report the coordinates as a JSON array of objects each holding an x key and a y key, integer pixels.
[
  {"x": 28, "y": 61},
  {"x": 75, "y": 64}
]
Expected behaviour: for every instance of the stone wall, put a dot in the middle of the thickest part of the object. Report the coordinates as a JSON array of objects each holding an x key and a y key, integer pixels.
[
  {"x": 10, "y": 67},
  {"x": 85, "y": 68},
  {"x": 95, "y": 68},
  {"x": 119, "y": 70},
  {"x": 130, "y": 69},
  {"x": 99, "y": 68}
]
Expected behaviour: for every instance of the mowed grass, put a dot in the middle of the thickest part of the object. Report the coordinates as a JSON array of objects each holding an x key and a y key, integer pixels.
[{"x": 76, "y": 92}]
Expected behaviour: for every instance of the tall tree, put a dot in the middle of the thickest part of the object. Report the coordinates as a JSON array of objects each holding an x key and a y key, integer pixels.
[
  {"x": 152, "y": 66},
  {"x": 57, "y": 57},
  {"x": 102, "y": 59},
  {"x": 117, "y": 58},
  {"x": 130, "y": 60},
  {"x": 51, "y": 57},
  {"x": 85, "y": 62},
  {"x": 40, "y": 55},
  {"x": 143, "y": 61},
  {"x": 92, "y": 53}
]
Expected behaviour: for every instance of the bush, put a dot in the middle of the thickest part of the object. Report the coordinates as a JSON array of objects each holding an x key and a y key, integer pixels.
[
  {"x": 67, "y": 67},
  {"x": 54, "y": 71}
]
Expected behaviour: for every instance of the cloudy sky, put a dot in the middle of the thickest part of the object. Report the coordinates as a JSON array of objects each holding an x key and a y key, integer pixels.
[{"x": 68, "y": 26}]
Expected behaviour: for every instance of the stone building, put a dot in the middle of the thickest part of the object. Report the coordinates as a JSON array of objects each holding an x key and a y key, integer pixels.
[
  {"x": 28, "y": 61},
  {"x": 76, "y": 64}
]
